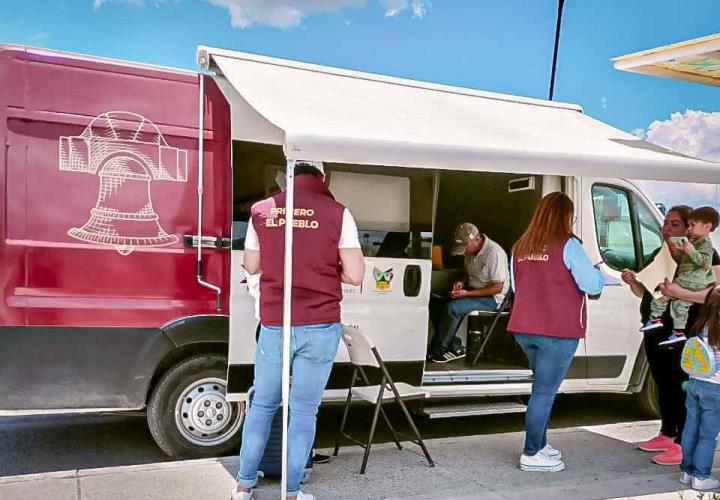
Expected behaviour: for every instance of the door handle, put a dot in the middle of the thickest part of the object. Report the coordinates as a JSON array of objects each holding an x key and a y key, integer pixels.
[
  {"x": 191, "y": 241},
  {"x": 412, "y": 280}
]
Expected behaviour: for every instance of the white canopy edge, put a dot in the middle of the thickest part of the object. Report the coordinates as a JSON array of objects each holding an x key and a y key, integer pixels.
[
  {"x": 675, "y": 60},
  {"x": 342, "y": 116}
]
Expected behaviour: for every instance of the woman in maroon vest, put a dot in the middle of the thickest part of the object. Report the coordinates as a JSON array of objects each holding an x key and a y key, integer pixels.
[{"x": 551, "y": 275}]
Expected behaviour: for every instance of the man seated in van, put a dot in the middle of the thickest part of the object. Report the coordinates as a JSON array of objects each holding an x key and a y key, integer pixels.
[{"x": 483, "y": 288}]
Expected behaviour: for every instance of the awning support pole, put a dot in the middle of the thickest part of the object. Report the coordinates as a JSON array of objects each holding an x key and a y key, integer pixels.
[{"x": 287, "y": 317}]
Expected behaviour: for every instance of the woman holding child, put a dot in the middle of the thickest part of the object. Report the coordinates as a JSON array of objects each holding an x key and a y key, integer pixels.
[{"x": 663, "y": 356}]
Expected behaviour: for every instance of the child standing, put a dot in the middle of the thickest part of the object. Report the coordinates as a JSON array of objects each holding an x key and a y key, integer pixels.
[
  {"x": 699, "y": 439},
  {"x": 694, "y": 272}
]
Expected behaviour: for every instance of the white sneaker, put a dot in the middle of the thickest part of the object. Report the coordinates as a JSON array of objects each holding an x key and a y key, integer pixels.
[
  {"x": 705, "y": 484},
  {"x": 551, "y": 452},
  {"x": 305, "y": 496},
  {"x": 685, "y": 478},
  {"x": 540, "y": 463},
  {"x": 241, "y": 495}
]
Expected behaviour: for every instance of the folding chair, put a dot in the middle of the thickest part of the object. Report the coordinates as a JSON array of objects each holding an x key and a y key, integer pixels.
[
  {"x": 502, "y": 310},
  {"x": 362, "y": 354}
]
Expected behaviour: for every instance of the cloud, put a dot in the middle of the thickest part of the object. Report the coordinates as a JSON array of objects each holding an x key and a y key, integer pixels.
[
  {"x": 638, "y": 132},
  {"x": 280, "y": 13},
  {"x": 394, "y": 7},
  {"x": 694, "y": 133},
  {"x": 98, "y": 3}
]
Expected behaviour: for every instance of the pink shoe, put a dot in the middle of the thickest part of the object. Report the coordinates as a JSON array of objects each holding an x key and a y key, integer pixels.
[
  {"x": 659, "y": 443},
  {"x": 673, "y": 456}
]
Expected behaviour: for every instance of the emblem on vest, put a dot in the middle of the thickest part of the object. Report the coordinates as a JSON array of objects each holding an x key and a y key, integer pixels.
[
  {"x": 542, "y": 256},
  {"x": 302, "y": 218},
  {"x": 382, "y": 278}
]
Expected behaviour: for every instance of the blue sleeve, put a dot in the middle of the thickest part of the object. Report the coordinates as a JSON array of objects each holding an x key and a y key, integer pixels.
[{"x": 588, "y": 279}]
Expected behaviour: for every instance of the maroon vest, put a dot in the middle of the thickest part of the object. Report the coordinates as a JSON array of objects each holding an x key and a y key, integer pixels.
[
  {"x": 316, "y": 288},
  {"x": 547, "y": 299}
]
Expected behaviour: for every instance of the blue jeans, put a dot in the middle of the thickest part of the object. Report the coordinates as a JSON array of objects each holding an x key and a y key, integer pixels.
[
  {"x": 454, "y": 312},
  {"x": 549, "y": 359},
  {"x": 312, "y": 351},
  {"x": 702, "y": 426}
]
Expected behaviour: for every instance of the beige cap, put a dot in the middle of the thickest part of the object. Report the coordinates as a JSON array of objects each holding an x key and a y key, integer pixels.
[{"x": 464, "y": 234}]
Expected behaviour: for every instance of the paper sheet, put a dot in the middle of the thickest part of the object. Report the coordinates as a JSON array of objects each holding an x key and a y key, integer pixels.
[{"x": 663, "y": 266}]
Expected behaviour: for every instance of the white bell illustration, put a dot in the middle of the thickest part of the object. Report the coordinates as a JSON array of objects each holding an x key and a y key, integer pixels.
[{"x": 127, "y": 152}]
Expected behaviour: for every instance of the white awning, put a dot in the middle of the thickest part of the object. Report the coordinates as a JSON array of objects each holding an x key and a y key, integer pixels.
[{"x": 342, "y": 116}]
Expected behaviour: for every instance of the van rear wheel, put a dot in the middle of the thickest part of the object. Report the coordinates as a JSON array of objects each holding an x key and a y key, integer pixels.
[{"x": 187, "y": 412}]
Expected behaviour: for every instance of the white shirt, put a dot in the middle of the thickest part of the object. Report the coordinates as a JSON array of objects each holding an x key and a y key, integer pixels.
[
  {"x": 348, "y": 235},
  {"x": 489, "y": 266}
]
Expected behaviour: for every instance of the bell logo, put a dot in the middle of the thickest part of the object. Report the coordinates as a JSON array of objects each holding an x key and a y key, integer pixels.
[{"x": 127, "y": 152}]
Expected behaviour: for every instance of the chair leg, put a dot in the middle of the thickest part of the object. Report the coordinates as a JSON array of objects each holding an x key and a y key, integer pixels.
[
  {"x": 343, "y": 419},
  {"x": 392, "y": 429},
  {"x": 415, "y": 430},
  {"x": 378, "y": 406}
]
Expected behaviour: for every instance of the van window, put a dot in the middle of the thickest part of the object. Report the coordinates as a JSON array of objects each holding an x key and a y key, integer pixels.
[
  {"x": 613, "y": 225},
  {"x": 650, "y": 230}
]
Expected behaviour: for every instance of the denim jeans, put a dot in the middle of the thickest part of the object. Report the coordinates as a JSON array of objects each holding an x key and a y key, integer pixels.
[
  {"x": 312, "y": 351},
  {"x": 454, "y": 312},
  {"x": 702, "y": 426},
  {"x": 549, "y": 359}
]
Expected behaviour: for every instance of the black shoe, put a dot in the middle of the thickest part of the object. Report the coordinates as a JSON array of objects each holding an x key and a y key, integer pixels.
[
  {"x": 320, "y": 458},
  {"x": 447, "y": 356}
]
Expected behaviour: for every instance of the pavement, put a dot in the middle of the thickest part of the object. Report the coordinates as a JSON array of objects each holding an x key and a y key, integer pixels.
[{"x": 602, "y": 462}]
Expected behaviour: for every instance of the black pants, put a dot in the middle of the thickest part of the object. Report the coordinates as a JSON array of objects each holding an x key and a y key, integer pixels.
[{"x": 665, "y": 368}]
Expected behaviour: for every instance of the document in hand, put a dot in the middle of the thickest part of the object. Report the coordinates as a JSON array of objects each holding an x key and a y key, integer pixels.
[{"x": 663, "y": 266}]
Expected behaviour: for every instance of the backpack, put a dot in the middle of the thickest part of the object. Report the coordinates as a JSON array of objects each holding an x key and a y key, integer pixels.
[{"x": 698, "y": 358}]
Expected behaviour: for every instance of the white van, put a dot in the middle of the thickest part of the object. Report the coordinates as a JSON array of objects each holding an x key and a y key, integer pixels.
[{"x": 411, "y": 160}]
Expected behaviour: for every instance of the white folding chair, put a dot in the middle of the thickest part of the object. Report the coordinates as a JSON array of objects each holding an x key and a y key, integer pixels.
[{"x": 363, "y": 354}]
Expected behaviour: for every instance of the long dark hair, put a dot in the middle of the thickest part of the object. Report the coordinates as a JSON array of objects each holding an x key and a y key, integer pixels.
[
  {"x": 550, "y": 224},
  {"x": 710, "y": 317}
]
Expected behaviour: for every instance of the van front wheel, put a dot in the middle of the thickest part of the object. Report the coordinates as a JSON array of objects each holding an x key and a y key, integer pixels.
[
  {"x": 649, "y": 397},
  {"x": 187, "y": 412}
]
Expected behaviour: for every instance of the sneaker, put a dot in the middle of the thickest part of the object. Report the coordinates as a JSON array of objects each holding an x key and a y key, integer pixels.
[
  {"x": 652, "y": 324},
  {"x": 677, "y": 336},
  {"x": 685, "y": 478},
  {"x": 447, "y": 356},
  {"x": 672, "y": 456},
  {"x": 320, "y": 458},
  {"x": 241, "y": 495},
  {"x": 304, "y": 496},
  {"x": 551, "y": 452},
  {"x": 659, "y": 443},
  {"x": 540, "y": 463},
  {"x": 708, "y": 483}
]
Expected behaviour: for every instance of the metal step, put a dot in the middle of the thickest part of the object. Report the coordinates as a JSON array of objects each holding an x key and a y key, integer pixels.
[{"x": 473, "y": 409}]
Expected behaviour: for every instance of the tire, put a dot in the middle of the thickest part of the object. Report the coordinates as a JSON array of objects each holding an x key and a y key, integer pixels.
[
  {"x": 187, "y": 413},
  {"x": 648, "y": 398}
]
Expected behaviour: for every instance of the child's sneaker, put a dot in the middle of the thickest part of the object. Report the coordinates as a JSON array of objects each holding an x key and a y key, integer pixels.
[
  {"x": 677, "y": 336},
  {"x": 708, "y": 483},
  {"x": 651, "y": 324}
]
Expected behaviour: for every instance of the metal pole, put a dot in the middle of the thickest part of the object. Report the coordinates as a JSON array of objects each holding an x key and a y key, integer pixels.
[
  {"x": 201, "y": 165},
  {"x": 561, "y": 4},
  {"x": 287, "y": 317}
]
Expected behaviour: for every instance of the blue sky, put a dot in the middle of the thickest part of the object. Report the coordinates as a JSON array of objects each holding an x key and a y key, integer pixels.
[{"x": 497, "y": 45}]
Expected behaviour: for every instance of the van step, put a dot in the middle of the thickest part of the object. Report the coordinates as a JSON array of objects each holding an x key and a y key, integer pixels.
[{"x": 473, "y": 409}]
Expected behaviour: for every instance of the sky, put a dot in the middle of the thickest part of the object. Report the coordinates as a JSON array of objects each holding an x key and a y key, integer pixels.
[{"x": 496, "y": 45}]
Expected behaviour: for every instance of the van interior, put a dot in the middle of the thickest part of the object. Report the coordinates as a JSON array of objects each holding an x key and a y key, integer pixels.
[{"x": 411, "y": 213}]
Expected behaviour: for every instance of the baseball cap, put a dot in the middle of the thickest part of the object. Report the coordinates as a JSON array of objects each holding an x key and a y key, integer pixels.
[{"x": 464, "y": 234}]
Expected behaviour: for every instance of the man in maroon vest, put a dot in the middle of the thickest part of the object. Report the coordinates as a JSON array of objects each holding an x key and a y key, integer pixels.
[{"x": 326, "y": 254}]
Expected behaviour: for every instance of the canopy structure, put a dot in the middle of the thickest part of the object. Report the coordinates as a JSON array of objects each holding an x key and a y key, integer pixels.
[
  {"x": 328, "y": 114},
  {"x": 696, "y": 60}
]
